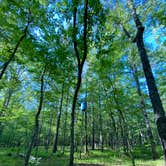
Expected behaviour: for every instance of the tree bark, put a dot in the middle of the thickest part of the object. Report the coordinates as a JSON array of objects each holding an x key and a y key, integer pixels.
[
  {"x": 75, "y": 92},
  {"x": 152, "y": 88},
  {"x": 55, "y": 141},
  {"x": 72, "y": 120},
  {"x": 79, "y": 77},
  {"x": 36, "y": 127}
]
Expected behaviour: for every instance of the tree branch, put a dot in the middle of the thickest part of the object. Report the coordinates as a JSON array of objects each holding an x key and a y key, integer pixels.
[{"x": 5, "y": 65}]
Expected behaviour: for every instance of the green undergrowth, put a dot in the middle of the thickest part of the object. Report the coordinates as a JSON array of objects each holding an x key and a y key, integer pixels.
[
  {"x": 110, "y": 158},
  {"x": 10, "y": 157}
]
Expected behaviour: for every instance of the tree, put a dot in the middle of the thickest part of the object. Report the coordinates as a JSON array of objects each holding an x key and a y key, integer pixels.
[
  {"x": 36, "y": 127},
  {"x": 21, "y": 38},
  {"x": 153, "y": 91},
  {"x": 46, "y": 73},
  {"x": 58, "y": 121},
  {"x": 80, "y": 64},
  {"x": 143, "y": 107}
]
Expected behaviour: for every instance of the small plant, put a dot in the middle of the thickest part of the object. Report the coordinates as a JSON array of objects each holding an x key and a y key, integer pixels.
[{"x": 34, "y": 161}]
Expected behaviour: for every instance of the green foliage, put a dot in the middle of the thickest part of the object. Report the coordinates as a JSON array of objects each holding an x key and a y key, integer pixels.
[{"x": 107, "y": 75}]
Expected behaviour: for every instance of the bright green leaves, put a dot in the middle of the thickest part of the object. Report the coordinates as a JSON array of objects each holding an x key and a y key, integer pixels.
[
  {"x": 43, "y": 2},
  {"x": 160, "y": 14}
]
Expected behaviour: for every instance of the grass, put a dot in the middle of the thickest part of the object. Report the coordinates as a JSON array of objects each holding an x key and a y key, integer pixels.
[{"x": 9, "y": 157}]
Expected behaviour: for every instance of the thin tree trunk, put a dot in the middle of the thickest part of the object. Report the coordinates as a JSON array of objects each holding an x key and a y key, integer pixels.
[
  {"x": 143, "y": 107},
  {"x": 11, "y": 57},
  {"x": 7, "y": 99},
  {"x": 82, "y": 135},
  {"x": 55, "y": 142},
  {"x": 37, "y": 141},
  {"x": 111, "y": 115},
  {"x": 93, "y": 129},
  {"x": 101, "y": 132},
  {"x": 100, "y": 122},
  {"x": 86, "y": 132},
  {"x": 122, "y": 121},
  {"x": 80, "y": 67},
  {"x": 115, "y": 135},
  {"x": 124, "y": 128},
  {"x": 126, "y": 140},
  {"x": 36, "y": 127},
  {"x": 153, "y": 91},
  {"x": 65, "y": 121},
  {"x": 123, "y": 134}
]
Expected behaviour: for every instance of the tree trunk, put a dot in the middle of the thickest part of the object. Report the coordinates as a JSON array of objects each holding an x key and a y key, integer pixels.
[
  {"x": 101, "y": 132},
  {"x": 93, "y": 128},
  {"x": 143, "y": 107},
  {"x": 7, "y": 99},
  {"x": 113, "y": 124},
  {"x": 58, "y": 122},
  {"x": 80, "y": 67},
  {"x": 36, "y": 127},
  {"x": 122, "y": 121},
  {"x": 124, "y": 128},
  {"x": 100, "y": 122},
  {"x": 48, "y": 136},
  {"x": 115, "y": 133},
  {"x": 153, "y": 91},
  {"x": 65, "y": 121},
  {"x": 86, "y": 132},
  {"x": 123, "y": 134},
  {"x": 72, "y": 121},
  {"x": 11, "y": 57}
]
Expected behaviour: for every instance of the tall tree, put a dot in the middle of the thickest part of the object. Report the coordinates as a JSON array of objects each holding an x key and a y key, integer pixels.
[
  {"x": 36, "y": 127},
  {"x": 80, "y": 64},
  {"x": 143, "y": 108},
  {"x": 153, "y": 91}
]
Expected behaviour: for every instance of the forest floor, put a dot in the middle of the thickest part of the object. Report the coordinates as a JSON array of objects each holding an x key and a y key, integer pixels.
[{"x": 10, "y": 157}]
